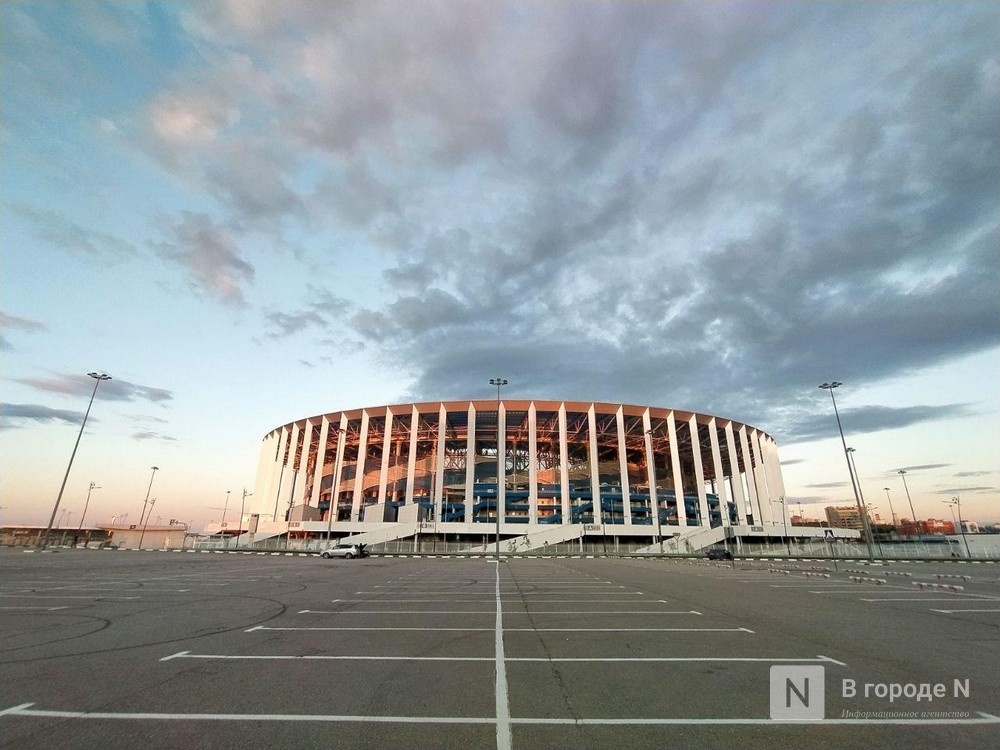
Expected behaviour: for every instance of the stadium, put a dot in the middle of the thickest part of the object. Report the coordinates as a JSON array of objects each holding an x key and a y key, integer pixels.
[{"x": 643, "y": 477}]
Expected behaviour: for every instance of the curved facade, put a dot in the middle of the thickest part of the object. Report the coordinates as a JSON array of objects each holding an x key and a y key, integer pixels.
[{"x": 625, "y": 468}]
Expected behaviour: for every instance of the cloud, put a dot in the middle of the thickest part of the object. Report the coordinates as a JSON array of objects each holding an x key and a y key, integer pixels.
[
  {"x": 974, "y": 473},
  {"x": 150, "y": 435},
  {"x": 828, "y": 485},
  {"x": 650, "y": 203},
  {"x": 63, "y": 233},
  {"x": 211, "y": 258},
  {"x": 921, "y": 467},
  {"x": 321, "y": 311},
  {"x": 967, "y": 490},
  {"x": 868, "y": 419},
  {"x": 109, "y": 390},
  {"x": 38, "y": 413},
  {"x": 18, "y": 324}
]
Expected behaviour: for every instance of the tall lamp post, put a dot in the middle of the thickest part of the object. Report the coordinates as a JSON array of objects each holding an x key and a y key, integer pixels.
[
  {"x": 243, "y": 503},
  {"x": 222, "y": 523},
  {"x": 913, "y": 515},
  {"x": 142, "y": 534},
  {"x": 891, "y": 511},
  {"x": 98, "y": 377},
  {"x": 498, "y": 382},
  {"x": 145, "y": 502},
  {"x": 847, "y": 456},
  {"x": 653, "y": 499},
  {"x": 93, "y": 486},
  {"x": 956, "y": 501},
  {"x": 784, "y": 520},
  {"x": 865, "y": 521}
]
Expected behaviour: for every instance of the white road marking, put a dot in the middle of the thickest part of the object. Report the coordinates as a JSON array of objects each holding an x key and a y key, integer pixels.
[
  {"x": 911, "y": 599},
  {"x": 524, "y": 630},
  {"x": 545, "y": 659},
  {"x": 47, "y": 609},
  {"x": 500, "y": 691},
  {"x": 952, "y": 611},
  {"x": 490, "y": 612},
  {"x": 25, "y": 710}
]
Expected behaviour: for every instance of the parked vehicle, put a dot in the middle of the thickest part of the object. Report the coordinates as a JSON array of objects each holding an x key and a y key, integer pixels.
[
  {"x": 719, "y": 553},
  {"x": 345, "y": 550}
]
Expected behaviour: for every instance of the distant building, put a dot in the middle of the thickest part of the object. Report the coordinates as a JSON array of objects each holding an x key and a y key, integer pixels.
[
  {"x": 930, "y": 526},
  {"x": 803, "y": 521},
  {"x": 844, "y": 517}
]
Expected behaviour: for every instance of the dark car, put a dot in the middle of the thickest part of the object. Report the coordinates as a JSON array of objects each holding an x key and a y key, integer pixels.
[{"x": 719, "y": 553}]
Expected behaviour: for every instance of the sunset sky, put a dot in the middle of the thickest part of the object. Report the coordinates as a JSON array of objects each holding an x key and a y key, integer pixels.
[{"x": 250, "y": 212}]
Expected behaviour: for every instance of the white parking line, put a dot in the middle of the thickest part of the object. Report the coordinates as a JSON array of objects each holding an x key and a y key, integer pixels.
[
  {"x": 920, "y": 599},
  {"x": 952, "y": 611},
  {"x": 47, "y": 609},
  {"x": 542, "y": 659},
  {"x": 490, "y": 612},
  {"x": 502, "y": 702},
  {"x": 523, "y": 630},
  {"x": 25, "y": 710}
]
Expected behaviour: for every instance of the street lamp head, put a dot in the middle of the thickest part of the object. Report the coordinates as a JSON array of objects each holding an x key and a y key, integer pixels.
[
  {"x": 498, "y": 381},
  {"x": 850, "y": 450},
  {"x": 830, "y": 386},
  {"x": 155, "y": 468},
  {"x": 99, "y": 376},
  {"x": 901, "y": 472}
]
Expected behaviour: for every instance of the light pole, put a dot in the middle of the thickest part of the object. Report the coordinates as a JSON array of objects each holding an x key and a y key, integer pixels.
[
  {"x": 98, "y": 377},
  {"x": 243, "y": 503},
  {"x": 654, "y": 501},
  {"x": 222, "y": 523},
  {"x": 958, "y": 502},
  {"x": 865, "y": 521},
  {"x": 869, "y": 509},
  {"x": 784, "y": 520},
  {"x": 335, "y": 486},
  {"x": 145, "y": 502},
  {"x": 891, "y": 511},
  {"x": 847, "y": 456},
  {"x": 93, "y": 486},
  {"x": 498, "y": 382},
  {"x": 143, "y": 532},
  {"x": 913, "y": 516}
]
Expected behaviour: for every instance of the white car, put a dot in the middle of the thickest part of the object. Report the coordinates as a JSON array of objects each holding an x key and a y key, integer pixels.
[{"x": 348, "y": 551}]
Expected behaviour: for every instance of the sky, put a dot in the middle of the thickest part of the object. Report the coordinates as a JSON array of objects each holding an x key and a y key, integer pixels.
[{"x": 250, "y": 212}]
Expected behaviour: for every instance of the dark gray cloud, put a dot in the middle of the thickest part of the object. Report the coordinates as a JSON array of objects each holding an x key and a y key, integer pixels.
[
  {"x": 38, "y": 413},
  {"x": 974, "y": 473},
  {"x": 650, "y": 203},
  {"x": 109, "y": 390},
  {"x": 921, "y": 467},
  {"x": 828, "y": 485},
  {"x": 868, "y": 419},
  {"x": 967, "y": 490}
]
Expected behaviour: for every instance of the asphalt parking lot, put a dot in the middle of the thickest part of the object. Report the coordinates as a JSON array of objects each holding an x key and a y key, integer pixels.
[{"x": 117, "y": 649}]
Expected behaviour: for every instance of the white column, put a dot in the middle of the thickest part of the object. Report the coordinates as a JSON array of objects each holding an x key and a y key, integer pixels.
[
  {"x": 411, "y": 460},
  {"x": 760, "y": 479},
  {"x": 383, "y": 473},
  {"x": 439, "y": 469},
  {"x": 720, "y": 479},
  {"x": 748, "y": 471},
  {"x": 276, "y": 478},
  {"x": 699, "y": 470},
  {"x": 532, "y": 464},
  {"x": 563, "y": 464},
  {"x": 595, "y": 471},
  {"x": 288, "y": 482},
  {"x": 623, "y": 467},
  {"x": 470, "y": 463},
  {"x": 775, "y": 482},
  {"x": 651, "y": 477},
  {"x": 265, "y": 470},
  {"x": 338, "y": 465},
  {"x": 359, "y": 477},
  {"x": 307, "y": 433},
  {"x": 734, "y": 475},
  {"x": 317, "y": 478},
  {"x": 675, "y": 465}
]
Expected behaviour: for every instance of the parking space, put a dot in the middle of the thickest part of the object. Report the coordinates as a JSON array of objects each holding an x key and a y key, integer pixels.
[{"x": 437, "y": 652}]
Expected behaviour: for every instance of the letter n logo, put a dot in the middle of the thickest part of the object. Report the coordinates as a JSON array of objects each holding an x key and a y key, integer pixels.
[{"x": 798, "y": 693}]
